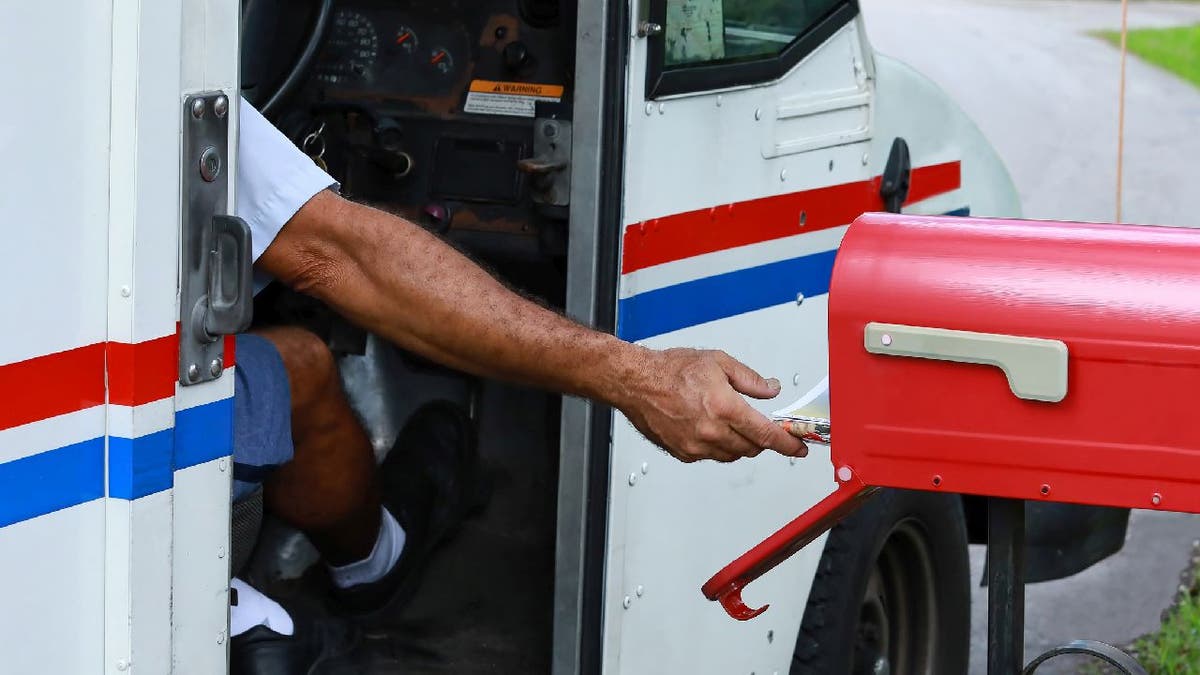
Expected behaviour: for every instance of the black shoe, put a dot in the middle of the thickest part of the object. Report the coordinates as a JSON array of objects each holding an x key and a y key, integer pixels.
[
  {"x": 431, "y": 483},
  {"x": 315, "y": 641}
]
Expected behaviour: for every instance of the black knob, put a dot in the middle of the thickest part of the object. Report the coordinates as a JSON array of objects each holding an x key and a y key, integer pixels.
[
  {"x": 437, "y": 217},
  {"x": 516, "y": 55},
  {"x": 388, "y": 133}
]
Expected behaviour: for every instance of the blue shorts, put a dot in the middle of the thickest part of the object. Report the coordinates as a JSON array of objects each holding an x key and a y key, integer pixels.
[{"x": 262, "y": 414}]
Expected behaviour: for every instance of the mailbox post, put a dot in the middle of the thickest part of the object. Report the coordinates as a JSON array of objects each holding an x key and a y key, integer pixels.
[{"x": 1006, "y": 585}]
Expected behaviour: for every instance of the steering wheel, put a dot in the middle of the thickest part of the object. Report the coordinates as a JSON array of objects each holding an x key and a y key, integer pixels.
[{"x": 260, "y": 21}]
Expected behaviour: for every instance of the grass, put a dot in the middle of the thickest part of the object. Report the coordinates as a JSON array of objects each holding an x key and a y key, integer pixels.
[
  {"x": 1175, "y": 648},
  {"x": 1175, "y": 49}
]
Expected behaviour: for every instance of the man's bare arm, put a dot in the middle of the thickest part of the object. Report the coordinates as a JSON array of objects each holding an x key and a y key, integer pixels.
[{"x": 402, "y": 283}]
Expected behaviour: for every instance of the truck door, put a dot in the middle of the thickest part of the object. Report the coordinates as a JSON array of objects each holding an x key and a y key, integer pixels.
[
  {"x": 52, "y": 420},
  {"x": 114, "y": 479},
  {"x": 748, "y": 151}
]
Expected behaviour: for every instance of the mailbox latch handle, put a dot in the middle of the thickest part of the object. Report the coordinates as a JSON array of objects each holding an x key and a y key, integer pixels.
[{"x": 1036, "y": 368}]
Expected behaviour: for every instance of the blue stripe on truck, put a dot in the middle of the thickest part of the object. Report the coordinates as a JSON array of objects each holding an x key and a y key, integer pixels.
[
  {"x": 74, "y": 474},
  {"x": 49, "y": 481},
  {"x": 692, "y": 303},
  {"x": 139, "y": 466},
  {"x": 203, "y": 433},
  {"x": 724, "y": 295}
]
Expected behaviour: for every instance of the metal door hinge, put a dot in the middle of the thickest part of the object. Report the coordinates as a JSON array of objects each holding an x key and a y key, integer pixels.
[{"x": 216, "y": 282}]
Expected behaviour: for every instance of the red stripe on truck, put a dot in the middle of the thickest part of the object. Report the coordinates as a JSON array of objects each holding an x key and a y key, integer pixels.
[
  {"x": 143, "y": 372},
  {"x": 686, "y": 235},
  {"x": 73, "y": 380},
  {"x": 52, "y": 385}
]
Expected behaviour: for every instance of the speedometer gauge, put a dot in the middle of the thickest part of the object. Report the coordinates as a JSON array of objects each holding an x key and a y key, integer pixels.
[{"x": 350, "y": 51}]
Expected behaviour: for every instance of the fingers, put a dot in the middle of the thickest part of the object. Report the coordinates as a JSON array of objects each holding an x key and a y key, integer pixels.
[
  {"x": 750, "y": 424},
  {"x": 746, "y": 380},
  {"x": 718, "y": 455},
  {"x": 735, "y": 446},
  {"x": 742, "y": 432},
  {"x": 695, "y": 410},
  {"x": 731, "y": 446},
  {"x": 715, "y": 439},
  {"x": 724, "y": 452},
  {"x": 764, "y": 433}
]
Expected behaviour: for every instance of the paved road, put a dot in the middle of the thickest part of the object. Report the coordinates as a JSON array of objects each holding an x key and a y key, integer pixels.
[{"x": 1045, "y": 93}]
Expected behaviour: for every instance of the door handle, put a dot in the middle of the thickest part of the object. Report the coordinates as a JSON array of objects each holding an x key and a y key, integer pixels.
[
  {"x": 230, "y": 280},
  {"x": 897, "y": 176}
]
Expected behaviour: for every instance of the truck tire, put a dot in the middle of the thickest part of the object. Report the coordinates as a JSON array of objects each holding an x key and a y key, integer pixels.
[{"x": 892, "y": 592}]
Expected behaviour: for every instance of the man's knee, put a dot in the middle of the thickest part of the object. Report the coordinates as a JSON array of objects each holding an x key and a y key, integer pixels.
[{"x": 311, "y": 368}]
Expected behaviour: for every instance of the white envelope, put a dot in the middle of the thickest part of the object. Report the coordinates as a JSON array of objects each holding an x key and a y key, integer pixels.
[{"x": 808, "y": 416}]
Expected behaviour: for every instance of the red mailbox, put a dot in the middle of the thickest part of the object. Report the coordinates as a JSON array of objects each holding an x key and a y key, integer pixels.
[{"x": 1030, "y": 360}]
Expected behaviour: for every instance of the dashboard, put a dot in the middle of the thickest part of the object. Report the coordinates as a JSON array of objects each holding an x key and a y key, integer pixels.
[
  {"x": 391, "y": 55},
  {"x": 428, "y": 108}
]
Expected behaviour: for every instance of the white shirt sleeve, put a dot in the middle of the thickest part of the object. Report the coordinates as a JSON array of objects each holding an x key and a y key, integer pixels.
[{"x": 274, "y": 178}]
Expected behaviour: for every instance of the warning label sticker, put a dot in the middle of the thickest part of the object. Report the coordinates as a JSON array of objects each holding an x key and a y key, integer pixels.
[{"x": 509, "y": 98}]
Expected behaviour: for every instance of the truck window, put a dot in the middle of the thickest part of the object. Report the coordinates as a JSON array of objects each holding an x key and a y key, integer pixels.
[
  {"x": 711, "y": 44},
  {"x": 704, "y": 31}
]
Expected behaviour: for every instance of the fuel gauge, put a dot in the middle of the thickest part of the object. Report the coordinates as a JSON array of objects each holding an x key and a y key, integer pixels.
[
  {"x": 406, "y": 40},
  {"x": 442, "y": 61}
]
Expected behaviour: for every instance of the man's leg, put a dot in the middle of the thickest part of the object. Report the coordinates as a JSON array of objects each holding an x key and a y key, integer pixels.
[
  {"x": 297, "y": 435},
  {"x": 329, "y": 489}
]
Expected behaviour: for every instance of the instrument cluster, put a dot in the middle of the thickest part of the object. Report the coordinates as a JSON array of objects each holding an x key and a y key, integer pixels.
[{"x": 369, "y": 52}]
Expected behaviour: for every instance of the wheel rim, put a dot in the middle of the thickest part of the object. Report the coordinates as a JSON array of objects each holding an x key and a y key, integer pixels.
[{"x": 898, "y": 620}]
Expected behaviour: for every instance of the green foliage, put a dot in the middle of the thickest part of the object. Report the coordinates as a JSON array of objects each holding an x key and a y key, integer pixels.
[
  {"x": 1175, "y": 648},
  {"x": 1175, "y": 49}
]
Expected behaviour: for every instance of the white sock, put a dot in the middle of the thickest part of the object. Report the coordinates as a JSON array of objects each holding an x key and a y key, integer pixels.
[
  {"x": 382, "y": 559},
  {"x": 255, "y": 609}
]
